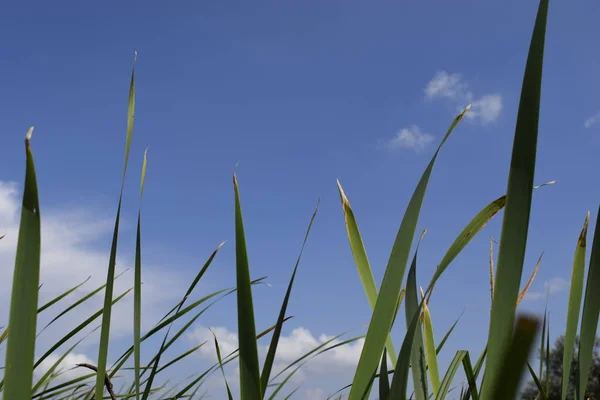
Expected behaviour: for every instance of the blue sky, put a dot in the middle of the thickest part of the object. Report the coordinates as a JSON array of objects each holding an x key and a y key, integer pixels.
[{"x": 300, "y": 94}]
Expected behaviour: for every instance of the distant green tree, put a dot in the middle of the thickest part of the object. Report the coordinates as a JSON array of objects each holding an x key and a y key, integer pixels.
[{"x": 555, "y": 370}]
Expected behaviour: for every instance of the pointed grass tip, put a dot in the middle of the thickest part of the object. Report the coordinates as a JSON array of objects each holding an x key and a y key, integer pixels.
[
  {"x": 134, "y": 56},
  {"x": 28, "y": 134}
]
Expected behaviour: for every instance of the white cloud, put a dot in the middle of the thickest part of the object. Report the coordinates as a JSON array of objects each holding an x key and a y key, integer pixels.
[
  {"x": 452, "y": 87},
  {"x": 551, "y": 287},
  {"x": 67, "y": 367},
  {"x": 410, "y": 138},
  {"x": 594, "y": 119},
  {"x": 314, "y": 394}
]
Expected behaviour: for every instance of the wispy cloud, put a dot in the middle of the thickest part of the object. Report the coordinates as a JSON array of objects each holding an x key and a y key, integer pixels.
[
  {"x": 452, "y": 87},
  {"x": 551, "y": 287},
  {"x": 410, "y": 138},
  {"x": 593, "y": 120}
]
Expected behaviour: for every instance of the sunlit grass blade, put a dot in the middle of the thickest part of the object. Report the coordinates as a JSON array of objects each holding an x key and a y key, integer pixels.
[
  {"x": 137, "y": 287},
  {"x": 76, "y": 304},
  {"x": 513, "y": 360},
  {"x": 266, "y": 372},
  {"x": 108, "y": 294},
  {"x": 383, "y": 313},
  {"x": 250, "y": 383},
  {"x": 574, "y": 308},
  {"x": 590, "y": 314},
  {"x": 62, "y": 296},
  {"x": 515, "y": 224},
  {"x": 20, "y": 347},
  {"x": 362, "y": 262},
  {"x": 384, "y": 382},
  {"x": 542, "y": 392},
  {"x": 430, "y": 352}
]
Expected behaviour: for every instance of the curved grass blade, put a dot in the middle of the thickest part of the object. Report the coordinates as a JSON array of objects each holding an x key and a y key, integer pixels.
[
  {"x": 291, "y": 393},
  {"x": 221, "y": 365},
  {"x": 250, "y": 383},
  {"x": 362, "y": 262},
  {"x": 383, "y": 313},
  {"x": 137, "y": 287},
  {"x": 575, "y": 295},
  {"x": 513, "y": 359},
  {"x": 590, "y": 314},
  {"x": 530, "y": 281},
  {"x": 266, "y": 372},
  {"x": 20, "y": 347},
  {"x": 108, "y": 294},
  {"x": 518, "y": 205},
  {"x": 384, "y": 383},
  {"x": 62, "y": 296}
]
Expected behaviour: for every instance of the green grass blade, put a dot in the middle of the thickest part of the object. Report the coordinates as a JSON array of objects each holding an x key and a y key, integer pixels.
[
  {"x": 108, "y": 294},
  {"x": 250, "y": 383},
  {"x": 137, "y": 287},
  {"x": 450, "y": 373},
  {"x": 77, "y": 304},
  {"x": 291, "y": 393},
  {"x": 537, "y": 382},
  {"x": 471, "y": 377},
  {"x": 362, "y": 262},
  {"x": 61, "y": 296},
  {"x": 542, "y": 342},
  {"x": 20, "y": 347},
  {"x": 447, "y": 335},
  {"x": 266, "y": 372},
  {"x": 513, "y": 360},
  {"x": 384, "y": 383},
  {"x": 383, "y": 314},
  {"x": 590, "y": 313},
  {"x": 518, "y": 205},
  {"x": 180, "y": 357},
  {"x": 430, "y": 352}
]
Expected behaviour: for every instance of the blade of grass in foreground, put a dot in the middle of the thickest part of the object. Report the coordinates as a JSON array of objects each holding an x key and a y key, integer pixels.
[
  {"x": 590, "y": 314},
  {"x": 108, "y": 294},
  {"x": 266, "y": 372},
  {"x": 518, "y": 205},
  {"x": 430, "y": 353},
  {"x": 250, "y": 383},
  {"x": 514, "y": 358},
  {"x": 362, "y": 261},
  {"x": 20, "y": 347},
  {"x": 383, "y": 313},
  {"x": 137, "y": 287}
]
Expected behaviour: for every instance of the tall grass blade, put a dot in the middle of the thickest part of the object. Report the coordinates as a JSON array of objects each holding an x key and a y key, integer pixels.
[
  {"x": 383, "y": 314},
  {"x": 430, "y": 352},
  {"x": 108, "y": 294},
  {"x": 266, "y": 372},
  {"x": 384, "y": 383},
  {"x": 250, "y": 383},
  {"x": 513, "y": 360},
  {"x": 518, "y": 205},
  {"x": 362, "y": 262},
  {"x": 574, "y": 308},
  {"x": 590, "y": 314},
  {"x": 20, "y": 347},
  {"x": 137, "y": 286}
]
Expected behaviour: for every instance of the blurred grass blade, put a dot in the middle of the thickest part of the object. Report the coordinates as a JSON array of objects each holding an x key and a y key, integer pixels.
[
  {"x": 108, "y": 294},
  {"x": 221, "y": 365},
  {"x": 430, "y": 353},
  {"x": 515, "y": 224},
  {"x": 362, "y": 262},
  {"x": 450, "y": 373},
  {"x": 137, "y": 286},
  {"x": 383, "y": 313},
  {"x": 266, "y": 372},
  {"x": 590, "y": 313},
  {"x": 20, "y": 347},
  {"x": 513, "y": 360},
  {"x": 62, "y": 296},
  {"x": 575, "y": 294},
  {"x": 417, "y": 355},
  {"x": 384, "y": 383},
  {"x": 250, "y": 383}
]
